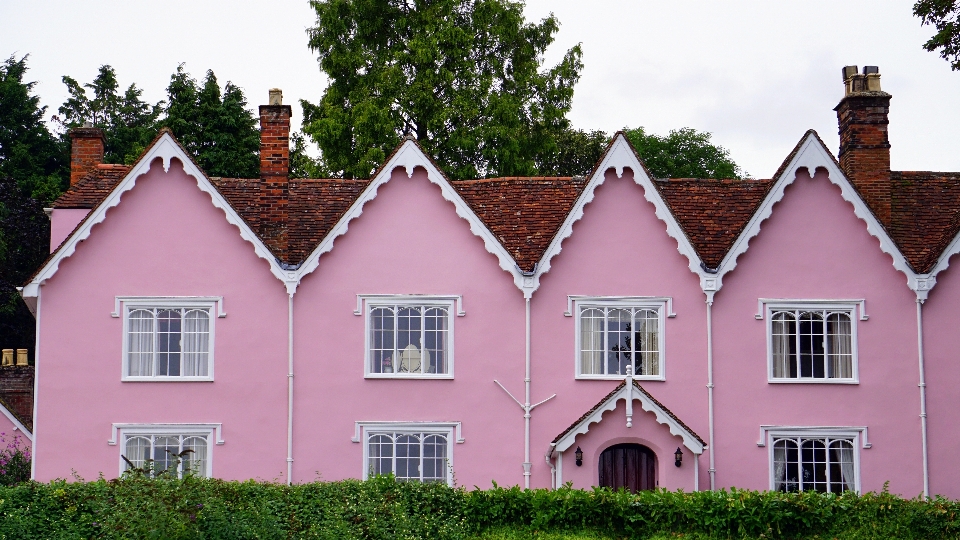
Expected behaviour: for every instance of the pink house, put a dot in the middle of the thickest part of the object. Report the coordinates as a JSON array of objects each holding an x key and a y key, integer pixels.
[{"x": 614, "y": 329}]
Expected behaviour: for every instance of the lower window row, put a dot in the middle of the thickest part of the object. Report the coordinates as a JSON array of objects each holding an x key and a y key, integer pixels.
[{"x": 824, "y": 464}]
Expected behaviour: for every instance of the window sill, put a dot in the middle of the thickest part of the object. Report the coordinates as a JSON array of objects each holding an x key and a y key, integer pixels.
[
  {"x": 396, "y": 376},
  {"x": 166, "y": 379},
  {"x": 813, "y": 381},
  {"x": 619, "y": 378}
]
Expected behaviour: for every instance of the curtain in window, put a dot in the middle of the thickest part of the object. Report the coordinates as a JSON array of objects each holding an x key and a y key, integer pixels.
[
  {"x": 195, "y": 460},
  {"x": 647, "y": 343},
  {"x": 140, "y": 343},
  {"x": 137, "y": 451},
  {"x": 779, "y": 465},
  {"x": 839, "y": 346},
  {"x": 842, "y": 453},
  {"x": 591, "y": 341},
  {"x": 196, "y": 343},
  {"x": 783, "y": 327}
]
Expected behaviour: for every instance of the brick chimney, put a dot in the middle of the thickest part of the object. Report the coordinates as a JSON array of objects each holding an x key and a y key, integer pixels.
[
  {"x": 86, "y": 151},
  {"x": 864, "y": 145},
  {"x": 274, "y": 171}
]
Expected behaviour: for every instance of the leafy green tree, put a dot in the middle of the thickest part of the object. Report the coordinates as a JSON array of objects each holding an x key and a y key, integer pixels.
[
  {"x": 684, "y": 153},
  {"x": 944, "y": 15},
  {"x": 576, "y": 154},
  {"x": 301, "y": 164},
  {"x": 128, "y": 122},
  {"x": 462, "y": 76},
  {"x": 216, "y": 128},
  {"x": 29, "y": 153}
]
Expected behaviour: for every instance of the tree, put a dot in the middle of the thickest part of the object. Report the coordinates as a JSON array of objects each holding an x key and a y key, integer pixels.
[
  {"x": 24, "y": 244},
  {"x": 462, "y": 76},
  {"x": 128, "y": 123},
  {"x": 576, "y": 154},
  {"x": 217, "y": 129},
  {"x": 684, "y": 153},
  {"x": 29, "y": 153},
  {"x": 944, "y": 15}
]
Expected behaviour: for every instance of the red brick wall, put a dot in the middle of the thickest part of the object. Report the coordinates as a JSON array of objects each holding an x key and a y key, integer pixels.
[
  {"x": 865, "y": 147},
  {"x": 16, "y": 391},
  {"x": 274, "y": 175},
  {"x": 86, "y": 151}
]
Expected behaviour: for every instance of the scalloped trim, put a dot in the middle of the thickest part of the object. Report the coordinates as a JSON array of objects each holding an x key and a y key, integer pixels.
[
  {"x": 409, "y": 157},
  {"x": 812, "y": 156},
  {"x": 648, "y": 405},
  {"x": 619, "y": 157},
  {"x": 165, "y": 149}
]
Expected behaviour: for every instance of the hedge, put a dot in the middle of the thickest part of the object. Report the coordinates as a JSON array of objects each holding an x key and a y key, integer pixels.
[{"x": 139, "y": 507}]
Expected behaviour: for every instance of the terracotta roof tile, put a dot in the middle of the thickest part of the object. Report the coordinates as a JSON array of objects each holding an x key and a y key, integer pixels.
[
  {"x": 523, "y": 213},
  {"x": 712, "y": 213},
  {"x": 93, "y": 188},
  {"x": 924, "y": 216}
]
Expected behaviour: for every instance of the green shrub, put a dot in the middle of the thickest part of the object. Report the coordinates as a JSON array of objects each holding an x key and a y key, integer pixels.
[
  {"x": 14, "y": 460},
  {"x": 138, "y": 506}
]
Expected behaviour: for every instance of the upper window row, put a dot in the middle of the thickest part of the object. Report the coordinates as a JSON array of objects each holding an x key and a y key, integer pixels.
[{"x": 413, "y": 338}]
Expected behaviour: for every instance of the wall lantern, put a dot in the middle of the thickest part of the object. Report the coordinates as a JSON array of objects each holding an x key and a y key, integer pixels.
[
  {"x": 678, "y": 457},
  {"x": 579, "y": 455}
]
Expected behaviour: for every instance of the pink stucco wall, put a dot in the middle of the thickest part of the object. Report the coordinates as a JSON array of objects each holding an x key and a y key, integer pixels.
[
  {"x": 62, "y": 223},
  {"x": 618, "y": 248},
  {"x": 941, "y": 315},
  {"x": 812, "y": 247},
  {"x": 409, "y": 240},
  {"x": 164, "y": 239}
]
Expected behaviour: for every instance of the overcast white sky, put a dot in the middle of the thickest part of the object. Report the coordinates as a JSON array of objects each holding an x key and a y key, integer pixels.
[{"x": 756, "y": 74}]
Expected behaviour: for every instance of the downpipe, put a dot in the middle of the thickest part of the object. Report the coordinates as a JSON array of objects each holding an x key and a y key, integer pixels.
[{"x": 923, "y": 401}]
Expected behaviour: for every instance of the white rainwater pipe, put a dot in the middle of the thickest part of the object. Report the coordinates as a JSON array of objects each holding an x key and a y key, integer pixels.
[
  {"x": 526, "y": 407},
  {"x": 290, "y": 390},
  {"x": 923, "y": 400},
  {"x": 713, "y": 465}
]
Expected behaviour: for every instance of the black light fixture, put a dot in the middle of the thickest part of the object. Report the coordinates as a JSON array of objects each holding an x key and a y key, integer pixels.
[
  {"x": 579, "y": 455},
  {"x": 678, "y": 457}
]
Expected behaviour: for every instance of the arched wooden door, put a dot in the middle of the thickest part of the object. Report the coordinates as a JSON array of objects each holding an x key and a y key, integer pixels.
[{"x": 629, "y": 466}]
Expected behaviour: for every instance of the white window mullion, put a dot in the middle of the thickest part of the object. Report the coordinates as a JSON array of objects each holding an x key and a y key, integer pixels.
[{"x": 423, "y": 339}]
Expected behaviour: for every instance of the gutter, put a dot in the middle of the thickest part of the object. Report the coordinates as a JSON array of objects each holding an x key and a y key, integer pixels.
[{"x": 923, "y": 401}]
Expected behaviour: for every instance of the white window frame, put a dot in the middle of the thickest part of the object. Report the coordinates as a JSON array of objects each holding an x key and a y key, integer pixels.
[
  {"x": 661, "y": 304},
  {"x": 211, "y": 432},
  {"x": 854, "y": 308},
  {"x": 125, "y": 304},
  {"x": 858, "y": 436},
  {"x": 367, "y": 302},
  {"x": 364, "y": 430}
]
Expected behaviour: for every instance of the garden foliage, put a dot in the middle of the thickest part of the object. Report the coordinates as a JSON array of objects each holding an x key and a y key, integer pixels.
[{"x": 141, "y": 507}]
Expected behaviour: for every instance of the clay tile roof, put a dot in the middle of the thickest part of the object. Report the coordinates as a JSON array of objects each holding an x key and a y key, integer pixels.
[
  {"x": 315, "y": 207},
  {"x": 524, "y": 213},
  {"x": 93, "y": 188},
  {"x": 712, "y": 213},
  {"x": 613, "y": 392},
  {"x": 924, "y": 215}
]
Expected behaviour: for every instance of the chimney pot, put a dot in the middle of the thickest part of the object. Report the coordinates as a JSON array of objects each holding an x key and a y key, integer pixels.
[
  {"x": 7, "y": 357},
  {"x": 22, "y": 357},
  {"x": 276, "y": 97},
  {"x": 849, "y": 71},
  {"x": 867, "y": 70}
]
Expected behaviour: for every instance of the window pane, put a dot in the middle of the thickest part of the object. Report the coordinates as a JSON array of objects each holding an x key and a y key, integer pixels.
[
  {"x": 382, "y": 340},
  {"x": 196, "y": 342},
  {"x": 408, "y": 457},
  {"x": 842, "y": 468},
  {"x": 380, "y": 454},
  {"x": 813, "y": 464},
  {"x": 839, "y": 346},
  {"x": 591, "y": 341},
  {"x": 408, "y": 340},
  {"x": 811, "y": 339},
  {"x": 619, "y": 341},
  {"x": 434, "y": 458},
  {"x": 168, "y": 342},
  {"x": 140, "y": 341},
  {"x": 137, "y": 451},
  {"x": 195, "y": 459},
  {"x": 784, "y": 329},
  {"x": 785, "y": 465},
  {"x": 435, "y": 336},
  {"x": 165, "y": 450},
  {"x": 645, "y": 342}
]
